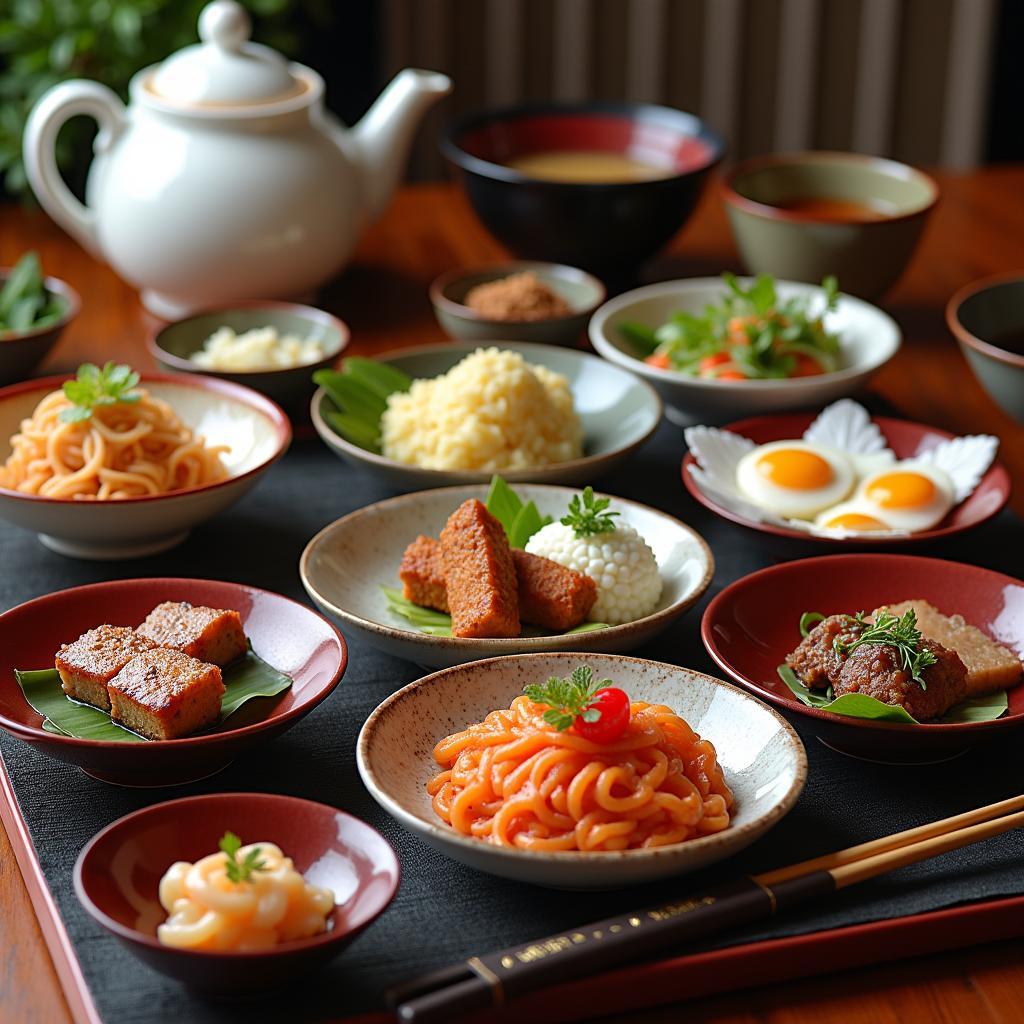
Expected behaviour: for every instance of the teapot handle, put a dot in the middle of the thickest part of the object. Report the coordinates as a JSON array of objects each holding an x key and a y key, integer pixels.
[{"x": 63, "y": 101}]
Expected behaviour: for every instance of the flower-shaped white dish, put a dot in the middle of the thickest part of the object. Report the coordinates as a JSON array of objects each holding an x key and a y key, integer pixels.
[
  {"x": 980, "y": 486},
  {"x": 868, "y": 339},
  {"x": 345, "y": 565},
  {"x": 762, "y": 757},
  {"x": 618, "y": 413},
  {"x": 254, "y": 428}
]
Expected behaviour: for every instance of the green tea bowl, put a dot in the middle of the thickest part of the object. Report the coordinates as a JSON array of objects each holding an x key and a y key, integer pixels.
[
  {"x": 582, "y": 293},
  {"x": 879, "y": 209},
  {"x": 291, "y": 387},
  {"x": 987, "y": 320}
]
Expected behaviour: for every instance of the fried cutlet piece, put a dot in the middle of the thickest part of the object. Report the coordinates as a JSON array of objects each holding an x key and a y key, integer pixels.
[
  {"x": 990, "y": 665},
  {"x": 87, "y": 665},
  {"x": 210, "y": 634},
  {"x": 815, "y": 661},
  {"x": 164, "y": 694},
  {"x": 479, "y": 574},
  {"x": 876, "y": 670},
  {"x": 422, "y": 574},
  {"x": 551, "y": 595}
]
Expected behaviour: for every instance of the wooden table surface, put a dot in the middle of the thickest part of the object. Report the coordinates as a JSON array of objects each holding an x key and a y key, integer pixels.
[{"x": 977, "y": 230}]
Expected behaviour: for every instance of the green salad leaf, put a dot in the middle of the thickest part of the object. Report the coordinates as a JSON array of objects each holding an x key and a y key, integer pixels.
[
  {"x": 520, "y": 519},
  {"x": 93, "y": 386},
  {"x": 358, "y": 394},
  {"x": 436, "y": 623},
  {"x": 859, "y": 705},
  {"x": 247, "y": 678}
]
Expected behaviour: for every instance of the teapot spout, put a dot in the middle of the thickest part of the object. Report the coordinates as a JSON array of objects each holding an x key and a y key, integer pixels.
[{"x": 385, "y": 133}]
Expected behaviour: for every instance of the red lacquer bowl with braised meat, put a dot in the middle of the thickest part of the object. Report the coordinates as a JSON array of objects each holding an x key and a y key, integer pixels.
[{"x": 892, "y": 658}]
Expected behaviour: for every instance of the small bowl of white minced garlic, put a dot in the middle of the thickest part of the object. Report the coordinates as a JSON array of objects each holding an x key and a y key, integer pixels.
[{"x": 273, "y": 347}]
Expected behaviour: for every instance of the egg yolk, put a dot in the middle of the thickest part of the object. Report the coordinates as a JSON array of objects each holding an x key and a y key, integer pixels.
[
  {"x": 856, "y": 521},
  {"x": 901, "y": 490},
  {"x": 795, "y": 469}
]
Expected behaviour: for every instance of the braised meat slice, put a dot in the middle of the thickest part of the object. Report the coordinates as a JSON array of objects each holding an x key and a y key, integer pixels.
[
  {"x": 815, "y": 660},
  {"x": 876, "y": 670}
]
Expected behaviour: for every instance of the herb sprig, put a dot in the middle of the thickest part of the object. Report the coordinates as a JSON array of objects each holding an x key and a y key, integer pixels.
[
  {"x": 240, "y": 870},
  {"x": 93, "y": 387},
  {"x": 568, "y": 699},
  {"x": 899, "y": 632},
  {"x": 587, "y": 515}
]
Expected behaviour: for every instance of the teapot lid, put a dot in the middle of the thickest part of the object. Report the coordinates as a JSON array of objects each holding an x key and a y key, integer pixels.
[{"x": 225, "y": 68}]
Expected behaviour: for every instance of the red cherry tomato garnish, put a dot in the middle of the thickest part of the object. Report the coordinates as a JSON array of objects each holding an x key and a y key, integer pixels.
[
  {"x": 613, "y": 704},
  {"x": 710, "y": 362},
  {"x": 660, "y": 360},
  {"x": 731, "y": 375}
]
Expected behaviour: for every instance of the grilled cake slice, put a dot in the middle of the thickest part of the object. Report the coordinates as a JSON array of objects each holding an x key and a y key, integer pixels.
[
  {"x": 86, "y": 666},
  {"x": 990, "y": 665},
  {"x": 210, "y": 634},
  {"x": 164, "y": 694}
]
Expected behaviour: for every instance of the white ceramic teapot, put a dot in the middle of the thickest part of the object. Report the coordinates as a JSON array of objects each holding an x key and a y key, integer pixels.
[{"x": 225, "y": 178}]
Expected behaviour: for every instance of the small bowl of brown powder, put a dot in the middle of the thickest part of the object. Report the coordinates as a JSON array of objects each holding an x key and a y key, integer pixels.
[{"x": 521, "y": 300}]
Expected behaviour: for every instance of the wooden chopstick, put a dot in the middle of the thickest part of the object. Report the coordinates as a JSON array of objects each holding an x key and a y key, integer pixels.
[
  {"x": 892, "y": 842},
  {"x": 490, "y": 979}
]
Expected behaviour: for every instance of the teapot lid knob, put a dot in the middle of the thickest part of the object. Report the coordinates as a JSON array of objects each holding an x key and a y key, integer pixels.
[{"x": 226, "y": 24}]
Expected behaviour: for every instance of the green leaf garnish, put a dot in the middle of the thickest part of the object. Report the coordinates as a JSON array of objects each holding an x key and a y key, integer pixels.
[
  {"x": 567, "y": 699},
  {"x": 859, "y": 705},
  {"x": 808, "y": 621},
  {"x": 239, "y": 870},
  {"x": 587, "y": 515},
  {"x": 93, "y": 387},
  {"x": 521, "y": 521},
  {"x": 901, "y": 633},
  {"x": 358, "y": 395}
]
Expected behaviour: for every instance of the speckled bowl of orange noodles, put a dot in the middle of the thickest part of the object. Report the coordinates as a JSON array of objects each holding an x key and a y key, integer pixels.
[
  {"x": 463, "y": 760},
  {"x": 135, "y": 478}
]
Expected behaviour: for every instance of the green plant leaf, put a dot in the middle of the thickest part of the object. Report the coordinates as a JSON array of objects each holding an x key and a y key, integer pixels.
[
  {"x": 503, "y": 503},
  {"x": 247, "y": 678},
  {"x": 526, "y": 523},
  {"x": 859, "y": 705},
  {"x": 640, "y": 336},
  {"x": 359, "y": 392}
]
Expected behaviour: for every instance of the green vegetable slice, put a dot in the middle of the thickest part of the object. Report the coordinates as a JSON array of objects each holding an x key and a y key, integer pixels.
[
  {"x": 25, "y": 279},
  {"x": 436, "y": 623},
  {"x": 521, "y": 521},
  {"x": 359, "y": 393},
  {"x": 859, "y": 705},
  {"x": 249, "y": 677}
]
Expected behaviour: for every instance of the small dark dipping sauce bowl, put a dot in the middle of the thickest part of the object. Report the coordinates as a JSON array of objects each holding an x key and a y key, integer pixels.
[
  {"x": 987, "y": 320},
  {"x": 608, "y": 228},
  {"x": 117, "y": 880}
]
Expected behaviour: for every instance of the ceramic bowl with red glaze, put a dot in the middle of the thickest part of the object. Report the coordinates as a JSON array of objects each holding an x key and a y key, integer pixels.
[
  {"x": 289, "y": 636},
  {"x": 753, "y": 624},
  {"x": 118, "y": 872},
  {"x": 608, "y": 227},
  {"x": 906, "y": 439}
]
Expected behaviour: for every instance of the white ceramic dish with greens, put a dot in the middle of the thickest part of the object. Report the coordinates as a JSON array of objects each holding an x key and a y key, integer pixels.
[{"x": 347, "y": 564}]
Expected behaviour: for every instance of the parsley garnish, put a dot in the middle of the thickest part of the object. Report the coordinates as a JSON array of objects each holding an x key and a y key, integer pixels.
[
  {"x": 901, "y": 633},
  {"x": 93, "y": 387},
  {"x": 587, "y": 515},
  {"x": 240, "y": 870},
  {"x": 568, "y": 699}
]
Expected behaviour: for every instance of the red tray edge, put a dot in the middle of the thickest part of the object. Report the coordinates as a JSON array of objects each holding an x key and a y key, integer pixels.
[{"x": 629, "y": 988}]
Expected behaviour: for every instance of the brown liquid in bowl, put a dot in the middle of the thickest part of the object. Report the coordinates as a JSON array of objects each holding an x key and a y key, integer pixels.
[
  {"x": 848, "y": 210},
  {"x": 1009, "y": 341}
]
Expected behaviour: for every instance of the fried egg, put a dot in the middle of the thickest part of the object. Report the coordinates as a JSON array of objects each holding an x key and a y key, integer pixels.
[
  {"x": 852, "y": 516},
  {"x": 907, "y": 495},
  {"x": 795, "y": 478}
]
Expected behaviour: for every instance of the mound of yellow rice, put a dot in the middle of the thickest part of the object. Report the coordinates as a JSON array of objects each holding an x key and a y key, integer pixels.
[{"x": 490, "y": 412}]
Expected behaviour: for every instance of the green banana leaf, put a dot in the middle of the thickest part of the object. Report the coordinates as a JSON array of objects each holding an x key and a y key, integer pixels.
[
  {"x": 249, "y": 677},
  {"x": 858, "y": 705}
]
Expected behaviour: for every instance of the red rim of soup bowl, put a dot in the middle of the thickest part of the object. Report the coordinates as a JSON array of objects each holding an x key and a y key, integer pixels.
[
  {"x": 828, "y": 571},
  {"x": 903, "y": 436},
  {"x": 239, "y": 392},
  {"x": 127, "y": 829},
  {"x": 155, "y": 590}
]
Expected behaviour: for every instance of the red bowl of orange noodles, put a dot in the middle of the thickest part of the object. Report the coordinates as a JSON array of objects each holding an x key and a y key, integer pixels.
[{"x": 745, "y": 769}]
